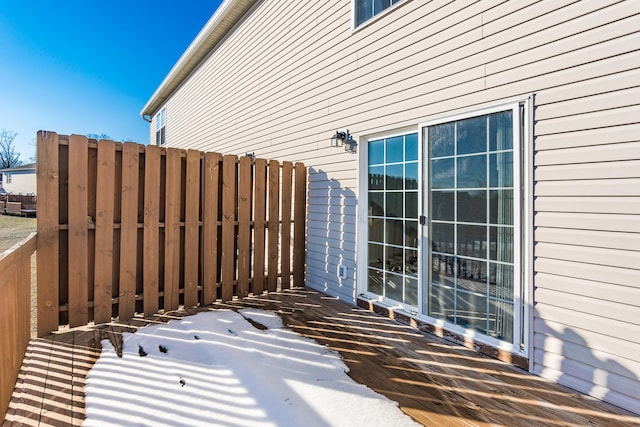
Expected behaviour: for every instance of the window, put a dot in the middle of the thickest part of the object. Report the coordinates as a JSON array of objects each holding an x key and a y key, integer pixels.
[
  {"x": 367, "y": 9},
  {"x": 160, "y": 125},
  {"x": 392, "y": 266},
  {"x": 7, "y": 177}
]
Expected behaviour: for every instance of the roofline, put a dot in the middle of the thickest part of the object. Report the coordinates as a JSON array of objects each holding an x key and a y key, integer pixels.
[
  {"x": 228, "y": 14},
  {"x": 27, "y": 167}
]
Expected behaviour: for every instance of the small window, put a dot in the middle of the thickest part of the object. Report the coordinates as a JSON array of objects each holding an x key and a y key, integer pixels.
[
  {"x": 160, "y": 125},
  {"x": 367, "y": 9},
  {"x": 7, "y": 177}
]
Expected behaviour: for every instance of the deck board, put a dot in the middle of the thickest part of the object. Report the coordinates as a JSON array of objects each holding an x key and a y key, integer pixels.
[{"x": 436, "y": 382}]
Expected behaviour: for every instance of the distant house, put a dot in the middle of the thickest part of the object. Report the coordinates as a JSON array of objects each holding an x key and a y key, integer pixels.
[
  {"x": 474, "y": 166},
  {"x": 19, "y": 180}
]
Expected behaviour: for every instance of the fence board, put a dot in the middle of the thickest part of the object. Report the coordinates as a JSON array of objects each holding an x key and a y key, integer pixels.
[
  {"x": 103, "y": 278},
  {"x": 244, "y": 226},
  {"x": 285, "y": 229},
  {"x": 47, "y": 226},
  {"x": 273, "y": 225},
  {"x": 173, "y": 199},
  {"x": 299, "y": 224},
  {"x": 92, "y": 173},
  {"x": 78, "y": 230},
  {"x": 259, "y": 223},
  {"x": 151, "y": 263},
  {"x": 210, "y": 195},
  {"x": 129, "y": 230},
  {"x": 228, "y": 225},
  {"x": 192, "y": 228}
]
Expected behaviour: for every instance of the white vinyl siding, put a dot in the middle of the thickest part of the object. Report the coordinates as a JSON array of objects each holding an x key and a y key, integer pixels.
[
  {"x": 291, "y": 73},
  {"x": 20, "y": 181}
]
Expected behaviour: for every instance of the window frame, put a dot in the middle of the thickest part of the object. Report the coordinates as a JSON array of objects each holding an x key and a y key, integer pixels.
[{"x": 374, "y": 17}]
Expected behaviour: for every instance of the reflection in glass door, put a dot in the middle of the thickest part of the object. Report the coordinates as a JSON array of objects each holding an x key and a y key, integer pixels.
[{"x": 471, "y": 221}]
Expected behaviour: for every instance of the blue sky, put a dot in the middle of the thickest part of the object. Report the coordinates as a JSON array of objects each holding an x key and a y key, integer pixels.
[{"x": 88, "y": 66}]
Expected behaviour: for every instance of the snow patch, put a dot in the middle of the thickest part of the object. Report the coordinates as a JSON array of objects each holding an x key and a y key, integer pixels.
[{"x": 222, "y": 368}]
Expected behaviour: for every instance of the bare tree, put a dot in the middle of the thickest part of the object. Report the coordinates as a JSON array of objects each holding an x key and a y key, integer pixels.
[
  {"x": 9, "y": 158},
  {"x": 98, "y": 136}
]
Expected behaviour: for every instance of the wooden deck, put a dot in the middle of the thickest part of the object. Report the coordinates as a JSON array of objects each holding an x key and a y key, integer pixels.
[{"x": 436, "y": 382}]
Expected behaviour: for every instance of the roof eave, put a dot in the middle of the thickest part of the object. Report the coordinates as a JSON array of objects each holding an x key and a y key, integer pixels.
[
  {"x": 27, "y": 167},
  {"x": 223, "y": 20}
]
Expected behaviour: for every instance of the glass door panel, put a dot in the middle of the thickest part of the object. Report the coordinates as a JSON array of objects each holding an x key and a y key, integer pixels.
[
  {"x": 393, "y": 184},
  {"x": 471, "y": 218}
]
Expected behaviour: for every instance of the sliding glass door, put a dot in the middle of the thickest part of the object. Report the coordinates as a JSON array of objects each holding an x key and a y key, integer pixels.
[{"x": 443, "y": 222}]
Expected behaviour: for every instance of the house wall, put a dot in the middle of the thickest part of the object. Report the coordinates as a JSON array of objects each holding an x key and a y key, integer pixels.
[
  {"x": 292, "y": 73},
  {"x": 22, "y": 182}
]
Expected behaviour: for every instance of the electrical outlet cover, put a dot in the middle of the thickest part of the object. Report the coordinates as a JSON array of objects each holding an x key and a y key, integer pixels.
[{"x": 342, "y": 272}]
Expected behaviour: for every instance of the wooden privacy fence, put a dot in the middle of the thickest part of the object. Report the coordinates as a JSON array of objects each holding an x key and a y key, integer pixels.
[
  {"x": 17, "y": 204},
  {"x": 15, "y": 315},
  {"x": 24, "y": 199},
  {"x": 127, "y": 228}
]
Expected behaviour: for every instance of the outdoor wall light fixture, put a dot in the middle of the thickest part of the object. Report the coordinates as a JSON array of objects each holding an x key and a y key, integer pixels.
[{"x": 344, "y": 139}]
